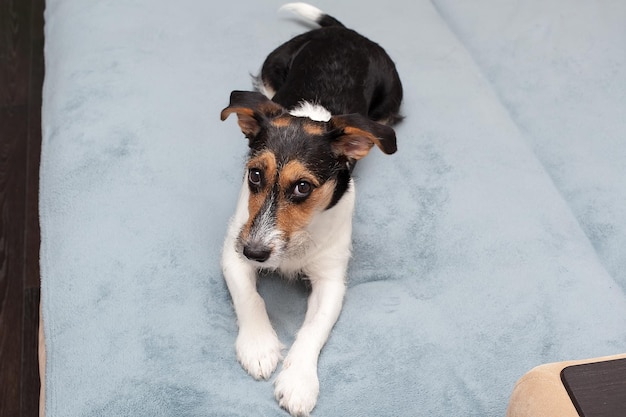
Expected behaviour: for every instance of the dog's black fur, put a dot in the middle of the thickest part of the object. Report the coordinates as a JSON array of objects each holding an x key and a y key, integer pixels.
[{"x": 337, "y": 68}]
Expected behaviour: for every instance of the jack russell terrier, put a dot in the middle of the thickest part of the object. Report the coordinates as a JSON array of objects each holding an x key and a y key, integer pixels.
[{"x": 324, "y": 99}]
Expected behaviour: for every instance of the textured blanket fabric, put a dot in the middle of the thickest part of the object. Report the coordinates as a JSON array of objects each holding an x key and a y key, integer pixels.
[{"x": 492, "y": 242}]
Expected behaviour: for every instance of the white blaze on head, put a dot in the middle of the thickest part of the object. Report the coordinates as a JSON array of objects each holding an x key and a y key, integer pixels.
[{"x": 312, "y": 111}]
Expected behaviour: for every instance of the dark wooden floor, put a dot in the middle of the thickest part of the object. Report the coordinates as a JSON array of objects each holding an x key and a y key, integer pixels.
[{"x": 21, "y": 79}]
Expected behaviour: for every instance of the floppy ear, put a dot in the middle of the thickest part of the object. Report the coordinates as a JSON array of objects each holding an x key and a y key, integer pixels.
[
  {"x": 252, "y": 108},
  {"x": 356, "y": 134}
]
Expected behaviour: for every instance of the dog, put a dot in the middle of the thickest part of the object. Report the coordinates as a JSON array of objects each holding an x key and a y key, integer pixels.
[{"x": 323, "y": 100}]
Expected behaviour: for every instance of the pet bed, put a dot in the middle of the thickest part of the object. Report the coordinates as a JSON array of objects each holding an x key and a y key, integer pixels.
[{"x": 491, "y": 242}]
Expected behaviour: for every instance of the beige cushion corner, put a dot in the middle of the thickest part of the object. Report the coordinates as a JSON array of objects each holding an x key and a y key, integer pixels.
[{"x": 540, "y": 392}]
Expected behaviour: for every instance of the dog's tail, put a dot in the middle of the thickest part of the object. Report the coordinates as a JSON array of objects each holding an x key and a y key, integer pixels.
[{"x": 311, "y": 13}]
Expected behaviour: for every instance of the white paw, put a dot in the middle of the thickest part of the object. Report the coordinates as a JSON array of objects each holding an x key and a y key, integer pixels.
[
  {"x": 297, "y": 388},
  {"x": 258, "y": 351}
]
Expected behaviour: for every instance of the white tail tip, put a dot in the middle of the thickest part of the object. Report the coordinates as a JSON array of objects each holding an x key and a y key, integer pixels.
[{"x": 304, "y": 10}]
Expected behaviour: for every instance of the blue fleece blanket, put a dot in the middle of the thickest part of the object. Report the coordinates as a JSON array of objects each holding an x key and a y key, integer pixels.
[{"x": 492, "y": 242}]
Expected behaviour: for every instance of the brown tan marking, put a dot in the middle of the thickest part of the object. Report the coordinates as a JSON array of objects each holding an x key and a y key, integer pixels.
[
  {"x": 266, "y": 163},
  {"x": 293, "y": 172},
  {"x": 313, "y": 129},
  {"x": 245, "y": 119},
  {"x": 282, "y": 121},
  {"x": 239, "y": 110},
  {"x": 360, "y": 134},
  {"x": 248, "y": 105},
  {"x": 293, "y": 217},
  {"x": 356, "y": 143}
]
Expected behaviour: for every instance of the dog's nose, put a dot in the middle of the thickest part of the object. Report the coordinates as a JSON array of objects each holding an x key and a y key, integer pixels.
[{"x": 256, "y": 252}]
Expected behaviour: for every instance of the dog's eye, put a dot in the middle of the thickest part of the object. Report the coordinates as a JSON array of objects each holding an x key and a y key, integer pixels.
[
  {"x": 302, "y": 189},
  {"x": 255, "y": 178}
]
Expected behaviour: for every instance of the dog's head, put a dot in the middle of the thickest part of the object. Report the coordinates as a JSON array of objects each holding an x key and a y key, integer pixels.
[{"x": 297, "y": 168}]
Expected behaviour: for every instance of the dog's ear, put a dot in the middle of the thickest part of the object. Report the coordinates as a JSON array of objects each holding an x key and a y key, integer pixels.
[
  {"x": 252, "y": 109},
  {"x": 356, "y": 134}
]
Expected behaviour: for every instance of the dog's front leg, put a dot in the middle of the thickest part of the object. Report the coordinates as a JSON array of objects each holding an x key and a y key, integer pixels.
[
  {"x": 297, "y": 385},
  {"x": 258, "y": 348}
]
